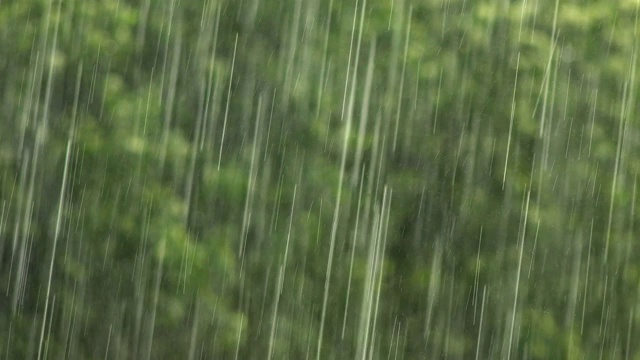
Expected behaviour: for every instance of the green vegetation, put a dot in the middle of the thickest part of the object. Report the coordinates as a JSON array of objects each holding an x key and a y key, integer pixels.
[{"x": 319, "y": 179}]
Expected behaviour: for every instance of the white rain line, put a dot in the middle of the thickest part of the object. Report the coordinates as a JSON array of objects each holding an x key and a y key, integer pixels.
[
  {"x": 226, "y": 111},
  {"x": 614, "y": 183},
  {"x": 336, "y": 212},
  {"x": 515, "y": 298},
  {"x": 551, "y": 52},
  {"x": 513, "y": 111},
  {"x": 56, "y": 235},
  {"x": 586, "y": 279},
  {"x": 475, "y": 285},
  {"x": 484, "y": 292},
  {"x": 353, "y": 251},
  {"x": 280, "y": 283}
]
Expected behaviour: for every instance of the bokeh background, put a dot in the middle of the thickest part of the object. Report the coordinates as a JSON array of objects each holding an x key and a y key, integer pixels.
[{"x": 319, "y": 179}]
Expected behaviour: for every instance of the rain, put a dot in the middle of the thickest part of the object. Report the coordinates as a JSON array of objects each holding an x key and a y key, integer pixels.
[{"x": 319, "y": 179}]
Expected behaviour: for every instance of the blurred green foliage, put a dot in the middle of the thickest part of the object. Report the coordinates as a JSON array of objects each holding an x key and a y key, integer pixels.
[{"x": 487, "y": 208}]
